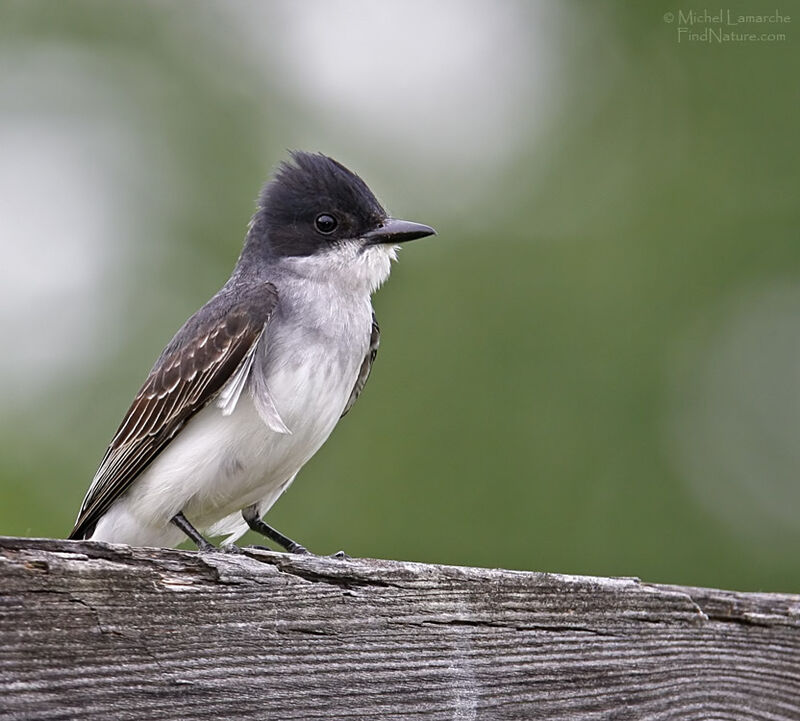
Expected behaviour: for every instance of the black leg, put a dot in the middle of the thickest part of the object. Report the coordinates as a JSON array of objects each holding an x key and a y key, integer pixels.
[
  {"x": 202, "y": 544},
  {"x": 250, "y": 514}
]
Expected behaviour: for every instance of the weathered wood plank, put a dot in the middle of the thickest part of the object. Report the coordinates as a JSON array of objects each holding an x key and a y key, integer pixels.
[{"x": 96, "y": 631}]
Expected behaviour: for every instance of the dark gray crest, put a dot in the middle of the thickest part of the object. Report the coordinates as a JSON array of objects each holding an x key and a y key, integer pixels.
[{"x": 309, "y": 186}]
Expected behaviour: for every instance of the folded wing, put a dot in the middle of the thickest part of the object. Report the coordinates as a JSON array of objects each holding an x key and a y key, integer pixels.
[{"x": 204, "y": 355}]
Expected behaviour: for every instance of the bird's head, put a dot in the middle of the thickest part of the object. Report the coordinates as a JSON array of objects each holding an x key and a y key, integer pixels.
[{"x": 322, "y": 218}]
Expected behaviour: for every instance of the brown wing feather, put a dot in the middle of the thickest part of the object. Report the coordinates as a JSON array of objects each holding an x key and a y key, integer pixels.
[
  {"x": 366, "y": 366},
  {"x": 198, "y": 362}
]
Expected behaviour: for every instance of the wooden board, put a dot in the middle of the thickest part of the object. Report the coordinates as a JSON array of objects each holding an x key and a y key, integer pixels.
[{"x": 91, "y": 630}]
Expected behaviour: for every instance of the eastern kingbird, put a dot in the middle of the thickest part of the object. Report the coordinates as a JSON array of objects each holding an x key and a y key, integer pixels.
[{"x": 254, "y": 382}]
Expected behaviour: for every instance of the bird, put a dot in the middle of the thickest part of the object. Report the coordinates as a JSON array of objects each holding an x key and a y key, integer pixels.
[{"x": 254, "y": 382}]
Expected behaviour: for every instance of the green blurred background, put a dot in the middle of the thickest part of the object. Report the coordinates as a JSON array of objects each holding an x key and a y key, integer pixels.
[{"x": 594, "y": 368}]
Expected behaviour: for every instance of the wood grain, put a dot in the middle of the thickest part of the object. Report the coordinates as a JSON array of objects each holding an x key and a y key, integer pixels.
[{"x": 90, "y": 630}]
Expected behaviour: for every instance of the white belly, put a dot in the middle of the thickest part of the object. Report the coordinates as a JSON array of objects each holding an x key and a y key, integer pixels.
[{"x": 217, "y": 465}]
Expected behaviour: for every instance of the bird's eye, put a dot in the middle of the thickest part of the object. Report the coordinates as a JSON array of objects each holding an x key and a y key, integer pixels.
[{"x": 325, "y": 223}]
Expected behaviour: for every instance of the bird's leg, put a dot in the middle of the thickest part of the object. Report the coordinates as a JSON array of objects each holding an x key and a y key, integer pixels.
[
  {"x": 202, "y": 544},
  {"x": 250, "y": 514}
]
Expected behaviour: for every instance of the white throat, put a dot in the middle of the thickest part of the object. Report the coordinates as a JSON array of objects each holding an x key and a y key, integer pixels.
[{"x": 349, "y": 266}]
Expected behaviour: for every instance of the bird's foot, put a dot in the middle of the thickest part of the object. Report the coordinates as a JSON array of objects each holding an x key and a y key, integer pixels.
[
  {"x": 257, "y": 548},
  {"x": 340, "y": 555},
  {"x": 293, "y": 547}
]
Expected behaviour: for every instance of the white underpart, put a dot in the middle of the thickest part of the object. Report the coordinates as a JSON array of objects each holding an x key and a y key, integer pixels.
[{"x": 269, "y": 420}]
